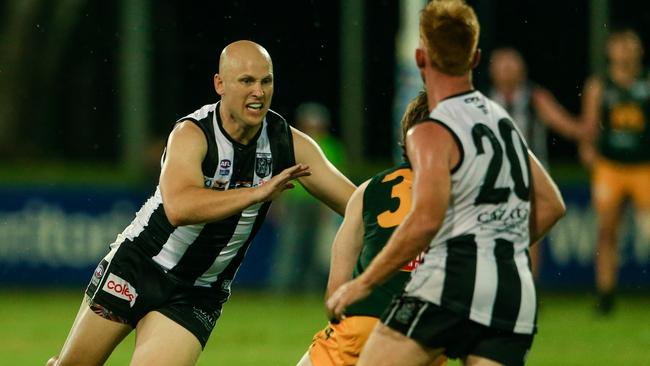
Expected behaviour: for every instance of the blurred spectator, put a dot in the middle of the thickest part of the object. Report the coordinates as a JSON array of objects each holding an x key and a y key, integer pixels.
[
  {"x": 615, "y": 110},
  {"x": 303, "y": 246},
  {"x": 533, "y": 108}
]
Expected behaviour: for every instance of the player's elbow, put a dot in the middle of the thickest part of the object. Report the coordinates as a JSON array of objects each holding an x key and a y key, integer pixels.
[
  {"x": 175, "y": 214},
  {"x": 552, "y": 211}
]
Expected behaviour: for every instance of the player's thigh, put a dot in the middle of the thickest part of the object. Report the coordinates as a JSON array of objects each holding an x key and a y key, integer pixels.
[
  {"x": 608, "y": 193},
  {"x": 163, "y": 342},
  {"x": 389, "y": 347},
  {"x": 92, "y": 338},
  {"x": 479, "y": 361},
  {"x": 641, "y": 198}
]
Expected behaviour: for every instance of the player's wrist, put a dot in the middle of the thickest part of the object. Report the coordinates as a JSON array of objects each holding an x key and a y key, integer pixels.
[
  {"x": 256, "y": 194},
  {"x": 366, "y": 282}
]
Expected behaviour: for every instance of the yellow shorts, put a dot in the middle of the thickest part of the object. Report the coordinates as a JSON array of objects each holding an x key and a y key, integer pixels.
[
  {"x": 340, "y": 344},
  {"x": 614, "y": 182}
]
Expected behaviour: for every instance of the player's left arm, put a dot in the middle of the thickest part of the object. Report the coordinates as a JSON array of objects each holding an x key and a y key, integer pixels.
[
  {"x": 431, "y": 164},
  {"x": 347, "y": 243},
  {"x": 326, "y": 182},
  {"x": 554, "y": 114}
]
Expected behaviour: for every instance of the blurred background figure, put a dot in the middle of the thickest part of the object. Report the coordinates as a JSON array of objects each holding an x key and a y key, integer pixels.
[
  {"x": 306, "y": 228},
  {"x": 615, "y": 110},
  {"x": 533, "y": 108}
]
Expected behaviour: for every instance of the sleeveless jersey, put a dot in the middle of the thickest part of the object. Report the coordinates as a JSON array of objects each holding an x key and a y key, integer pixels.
[
  {"x": 477, "y": 265},
  {"x": 625, "y": 133},
  {"x": 386, "y": 201},
  {"x": 209, "y": 254},
  {"x": 531, "y": 127}
]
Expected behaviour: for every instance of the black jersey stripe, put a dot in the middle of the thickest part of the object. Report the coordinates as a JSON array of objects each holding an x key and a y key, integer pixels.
[
  {"x": 458, "y": 289},
  {"x": 158, "y": 230},
  {"x": 205, "y": 249},
  {"x": 508, "y": 296},
  {"x": 229, "y": 272}
]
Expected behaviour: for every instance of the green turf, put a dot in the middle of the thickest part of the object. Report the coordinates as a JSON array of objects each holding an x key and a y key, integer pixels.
[{"x": 259, "y": 329}]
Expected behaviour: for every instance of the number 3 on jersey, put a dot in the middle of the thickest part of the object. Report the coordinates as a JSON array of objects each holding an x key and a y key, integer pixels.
[
  {"x": 401, "y": 191},
  {"x": 489, "y": 193}
]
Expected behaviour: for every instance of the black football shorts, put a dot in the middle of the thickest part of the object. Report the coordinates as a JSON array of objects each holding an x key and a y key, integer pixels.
[
  {"x": 127, "y": 284},
  {"x": 435, "y": 327}
]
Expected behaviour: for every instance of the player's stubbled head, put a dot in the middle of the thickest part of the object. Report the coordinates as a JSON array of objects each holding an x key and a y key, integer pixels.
[{"x": 245, "y": 83}]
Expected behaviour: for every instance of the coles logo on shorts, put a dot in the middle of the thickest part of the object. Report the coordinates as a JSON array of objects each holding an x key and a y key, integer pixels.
[{"x": 119, "y": 287}]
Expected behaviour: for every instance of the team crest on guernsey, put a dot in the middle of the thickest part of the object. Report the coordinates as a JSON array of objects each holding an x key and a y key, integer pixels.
[{"x": 263, "y": 163}]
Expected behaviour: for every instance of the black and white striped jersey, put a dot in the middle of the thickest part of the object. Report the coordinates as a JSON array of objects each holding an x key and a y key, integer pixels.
[
  {"x": 478, "y": 264},
  {"x": 209, "y": 254}
]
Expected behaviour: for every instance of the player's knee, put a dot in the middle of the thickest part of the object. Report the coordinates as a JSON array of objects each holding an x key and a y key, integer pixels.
[{"x": 54, "y": 361}]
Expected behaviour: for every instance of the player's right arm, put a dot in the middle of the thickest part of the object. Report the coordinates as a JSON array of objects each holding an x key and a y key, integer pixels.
[
  {"x": 185, "y": 199},
  {"x": 591, "y": 115},
  {"x": 347, "y": 243},
  {"x": 554, "y": 114},
  {"x": 547, "y": 205}
]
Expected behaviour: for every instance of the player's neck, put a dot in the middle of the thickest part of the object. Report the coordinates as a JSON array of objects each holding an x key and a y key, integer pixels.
[
  {"x": 441, "y": 86},
  {"x": 238, "y": 131}
]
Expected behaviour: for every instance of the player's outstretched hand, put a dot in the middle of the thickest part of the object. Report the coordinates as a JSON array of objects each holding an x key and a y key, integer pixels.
[
  {"x": 349, "y": 293},
  {"x": 276, "y": 185}
]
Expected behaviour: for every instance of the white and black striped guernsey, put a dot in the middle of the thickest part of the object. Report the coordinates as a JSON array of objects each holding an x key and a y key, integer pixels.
[
  {"x": 210, "y": 254},
  {"x": 478, "y": 264}
]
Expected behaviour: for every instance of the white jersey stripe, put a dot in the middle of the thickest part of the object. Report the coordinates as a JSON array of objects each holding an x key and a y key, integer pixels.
[
  {"x": 240, "y": 236},
  {"x": 137, "y": 226},
  {"x": 223, "y": 173},
  {"x": 485, "y": 286},
  {"x": 177, "y": 244},
  {"x": 528, "y": 305}
]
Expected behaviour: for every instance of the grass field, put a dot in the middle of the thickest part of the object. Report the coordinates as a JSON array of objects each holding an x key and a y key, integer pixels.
[{"x": 261, "y": 329}]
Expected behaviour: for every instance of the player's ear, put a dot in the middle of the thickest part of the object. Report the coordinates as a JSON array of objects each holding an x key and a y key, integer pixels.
[
  {"x": 477, "y": 58},
  {"x": 218, "y": 84},
  {"x": 420, "y": 57}
]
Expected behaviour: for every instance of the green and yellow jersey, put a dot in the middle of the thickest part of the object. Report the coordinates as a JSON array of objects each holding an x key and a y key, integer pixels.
[
  {"x": 386, "y": 201},
  {"x": 625, "y": 134}
]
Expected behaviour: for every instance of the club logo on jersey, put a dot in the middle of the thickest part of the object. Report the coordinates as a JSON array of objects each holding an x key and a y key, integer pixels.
[
  {"x": 224, "y": 167},
  {"x": 119, "y": 287},
  {"x": 412, "y": 265},
  {"x": 263, "y": 164}
]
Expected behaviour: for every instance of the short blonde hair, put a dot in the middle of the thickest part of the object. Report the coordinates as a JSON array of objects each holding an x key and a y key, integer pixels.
[{"x": 450, "y": 31}]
